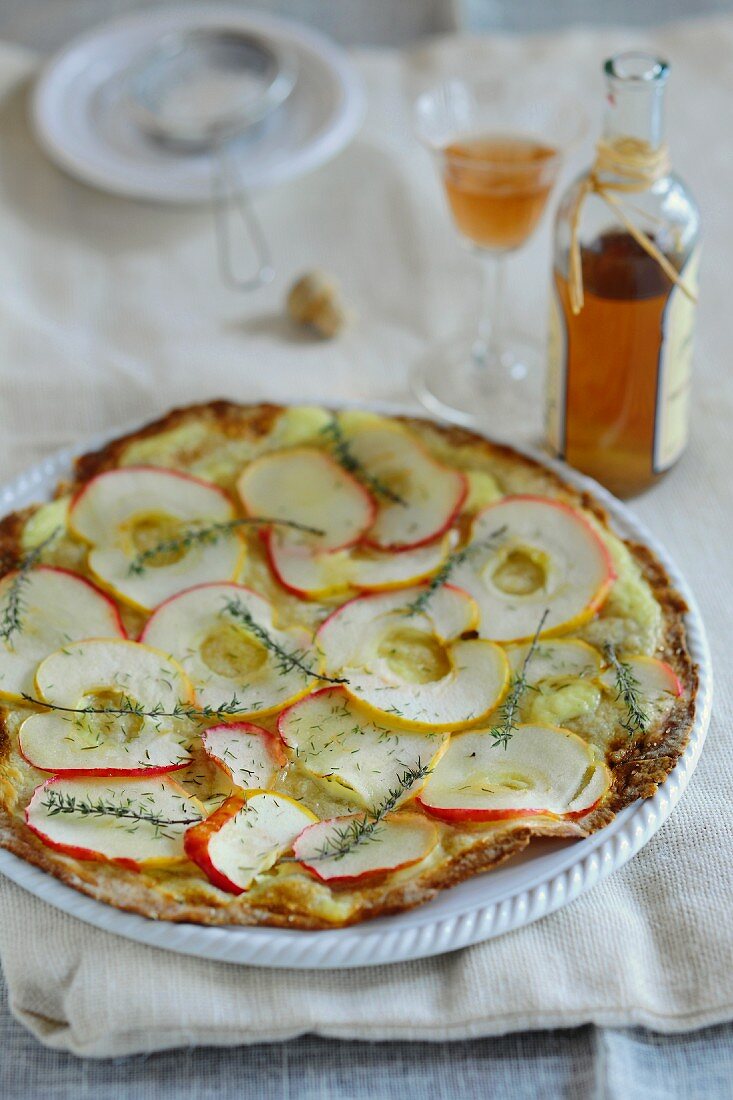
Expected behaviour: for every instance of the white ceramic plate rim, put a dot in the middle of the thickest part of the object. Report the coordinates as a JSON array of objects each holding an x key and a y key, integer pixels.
[
  {"x": 456, "y": 918},
  {"x": 74, "y": 157}
]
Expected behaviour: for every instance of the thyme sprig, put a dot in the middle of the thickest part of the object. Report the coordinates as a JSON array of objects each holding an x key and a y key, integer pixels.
[
  {"x": 286, "y": 659},
  {"x": 128, "y": 706},
  {"x": 503, "y": 731},
  {"x": 628, "y": 690},
  {"x": 11, "y": 621},
  {"x": 458, "y": 557},
  {"x": 348, "y": 460},
  {"x": 127, "y": 809},
  {"x": 199, "y": 536},
  {"x": 365, "y": 827}
]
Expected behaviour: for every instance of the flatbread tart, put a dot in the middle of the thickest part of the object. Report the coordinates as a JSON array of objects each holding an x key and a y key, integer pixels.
[{"x": 303, "y": 667}]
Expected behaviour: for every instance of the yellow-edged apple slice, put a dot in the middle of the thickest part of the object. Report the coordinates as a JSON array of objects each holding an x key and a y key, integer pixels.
[
  {"x": 529, "y": 554},
  {"x": 245, "y": 837},
  {"x": 305, "y": 485},
  {"x": 125, "y": 512},
  {"x": 337, "y": 742},
  {"x": 427, "y": 495},
  {"x": 226, "y": 655},
  {"x": 656, "y": 683},
  {"x": 145, "y": 684},
  {"x": 250, "y": 755},
  {"x": 56, "y": 607},
  {"x": 315, "y": 575},
  {"x": 543, "y": 771},
  {"x": 397, "y": 841},
  {"x": 414, "y": 669},
  {"x": 136, "y": 823},
  {"x": 564, "y": 674}
]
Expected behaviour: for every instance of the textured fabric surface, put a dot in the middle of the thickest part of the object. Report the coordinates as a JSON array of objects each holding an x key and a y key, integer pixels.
[
  {"x": 110, "y": 310},
  {"x": 585, "y": 1064}
]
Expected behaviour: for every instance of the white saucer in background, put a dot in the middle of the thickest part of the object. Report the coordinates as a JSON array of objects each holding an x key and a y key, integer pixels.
[{"x": 83, "y": 122}]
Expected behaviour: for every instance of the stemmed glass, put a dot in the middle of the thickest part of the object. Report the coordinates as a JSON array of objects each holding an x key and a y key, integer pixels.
[{"x": 498, "y": 148}]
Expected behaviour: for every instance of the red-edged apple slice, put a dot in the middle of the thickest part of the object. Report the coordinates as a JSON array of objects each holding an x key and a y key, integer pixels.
[
  {"x": 428, "y": 495},
  {"x": 334, "y": 739},
  {"x": 250, "y": 755},
  {"x": 656, "y": 682},
  {"x": 226, "y": 655},
  {"x": 544, "y": 770},
  {"x": 315, "y": 575},
  {"x": 136, "y": 823},
  {"x": 530, "y": 554},
  {"x": 307, "y": 486},
  {"x": 125, "y": 512},
  {"x": 56, "y": 607},
  {"x": 112, "y": 674},
  {"x": 413, "y": 669},
  {"x": 245, "y": 837},
  {"x": 398, "y": 841}
]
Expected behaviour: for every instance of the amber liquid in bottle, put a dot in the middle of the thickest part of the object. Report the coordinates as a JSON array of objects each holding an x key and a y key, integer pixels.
[
  {"x": 498, "y": 187},
  {"x": 612, "y": 362}
]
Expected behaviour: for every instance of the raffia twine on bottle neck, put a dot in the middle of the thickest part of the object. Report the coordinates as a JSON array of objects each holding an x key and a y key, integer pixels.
[{"x": 639, "y": 166}]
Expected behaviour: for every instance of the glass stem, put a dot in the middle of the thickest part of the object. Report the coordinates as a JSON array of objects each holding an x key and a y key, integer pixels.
[{"x": 489, "y": 344}]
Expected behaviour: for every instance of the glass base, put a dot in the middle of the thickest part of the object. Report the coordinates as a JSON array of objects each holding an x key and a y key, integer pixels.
[{"x": 500, "y": 397}]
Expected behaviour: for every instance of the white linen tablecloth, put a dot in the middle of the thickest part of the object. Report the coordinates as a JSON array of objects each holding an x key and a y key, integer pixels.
[{"x": 112, "y": 310}]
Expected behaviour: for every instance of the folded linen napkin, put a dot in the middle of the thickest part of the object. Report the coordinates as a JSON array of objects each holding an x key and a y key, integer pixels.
[{"x": 111, "y": 310}]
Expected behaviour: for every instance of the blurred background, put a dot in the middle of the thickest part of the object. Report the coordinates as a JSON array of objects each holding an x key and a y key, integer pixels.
[{"x": 47, "y": 24}]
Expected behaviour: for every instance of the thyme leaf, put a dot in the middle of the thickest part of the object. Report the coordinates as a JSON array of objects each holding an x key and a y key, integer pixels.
[
  {"x": 127, "y": 706},
  {"x": 503, "y": 731},
  {"x": 365, "y": 827},
  {"x": 349, "y": 462},
  {"x": 420, "y": 603},
  {"x": 198, "y": 536},
  {"x": 56, "y": 802},
  {"x": 286, "y": 660},
  {"x": 628, "y": 690},
  {"x": 11, "y": 621}
]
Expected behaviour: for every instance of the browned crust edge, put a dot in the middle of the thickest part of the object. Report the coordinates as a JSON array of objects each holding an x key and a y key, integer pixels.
[{"x": 637, "y": 768}]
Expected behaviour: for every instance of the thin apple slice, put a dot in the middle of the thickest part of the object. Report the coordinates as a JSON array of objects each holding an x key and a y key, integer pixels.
[
  {"x": 125, "y": 512},
  {"x": 225, "y": 657},
  {"x": 312, "y": 574},
  {"x": 146, "y": 684},
  {"x": 333, "y": 739},
  {"x": 656, "y": 684},
  {"x": 564, "y": 675},
  {"x": 413, "y": 669},
  {"x": 307, "y": 486},
  {"x": 135, "y": 823},
  {"x": 542, "y": 771},
  {"x": 250, "y": 755},
  {"x": 245, "y": 837},
  {"x": 427, "y": 494},
  {"x": 556, "y": 660},
  {"x": 529, "y": 554},
  {"x": 398, "y": 841},
  {"x": 56, "y": 607}
]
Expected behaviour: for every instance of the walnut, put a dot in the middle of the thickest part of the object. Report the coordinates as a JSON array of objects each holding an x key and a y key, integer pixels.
[{"x": 315, "y": 300}]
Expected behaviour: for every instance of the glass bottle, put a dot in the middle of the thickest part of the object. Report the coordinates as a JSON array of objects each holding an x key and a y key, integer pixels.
[{"x": 619, "y": 368}]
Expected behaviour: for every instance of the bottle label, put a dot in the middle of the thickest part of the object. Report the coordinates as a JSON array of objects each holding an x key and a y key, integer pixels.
[
  {"x": 556, "y": 375},
  {"x": 671, "y": 427}
]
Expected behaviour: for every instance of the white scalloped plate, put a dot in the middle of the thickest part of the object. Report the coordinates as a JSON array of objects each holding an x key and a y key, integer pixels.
[{"x": 547, "y": 876}]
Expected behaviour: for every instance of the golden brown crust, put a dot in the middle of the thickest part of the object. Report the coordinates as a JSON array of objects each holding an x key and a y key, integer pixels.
[{"x": 638, "y": 765}]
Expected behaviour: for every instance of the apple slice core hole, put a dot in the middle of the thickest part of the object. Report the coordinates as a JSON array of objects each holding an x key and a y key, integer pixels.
[
  {"x": 231, "y": 652},
  {"x": 112, "y": 727},
  {"x": 522, "y": 571},
  {"x": 414, "y": 656},
  {"x": 148, "y": 529}
]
